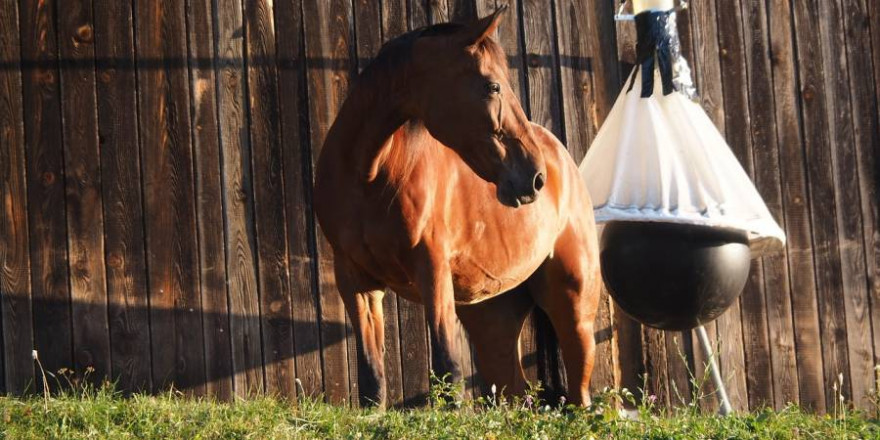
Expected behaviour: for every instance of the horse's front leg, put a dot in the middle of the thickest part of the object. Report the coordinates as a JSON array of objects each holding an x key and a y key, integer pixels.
[
  {"x": 434, "y": 281},
  {"x": 567, "y": 287}
]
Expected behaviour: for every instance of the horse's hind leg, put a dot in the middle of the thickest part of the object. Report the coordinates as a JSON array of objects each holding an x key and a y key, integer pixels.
[
  {"x": 567, "y": 287},
  {"x": 494, "y": 327},
  {"x": 363, "y": 301}
]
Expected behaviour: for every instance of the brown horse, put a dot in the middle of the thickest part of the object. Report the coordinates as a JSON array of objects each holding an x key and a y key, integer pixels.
[{"x": 433, "y": 182}]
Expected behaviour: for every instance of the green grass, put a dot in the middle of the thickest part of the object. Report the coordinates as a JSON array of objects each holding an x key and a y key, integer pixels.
[{"x": 103, "y": 413}]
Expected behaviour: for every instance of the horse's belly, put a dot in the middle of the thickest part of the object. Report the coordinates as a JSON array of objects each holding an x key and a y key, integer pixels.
[
  {"x": 473, "y": 285},
  {"x": 482, "y": 271}
]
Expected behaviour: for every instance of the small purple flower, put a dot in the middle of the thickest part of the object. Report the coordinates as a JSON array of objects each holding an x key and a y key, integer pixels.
[
  {"x": 652, "y": 399},
  {"x": 529, "y": 402},
  {"x": 562, "y": 400}
]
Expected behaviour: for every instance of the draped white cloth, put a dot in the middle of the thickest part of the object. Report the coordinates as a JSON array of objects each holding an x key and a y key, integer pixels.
[{"x": 662, "y": 159}]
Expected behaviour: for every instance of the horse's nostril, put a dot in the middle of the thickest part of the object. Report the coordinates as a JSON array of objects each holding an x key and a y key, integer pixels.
[{"x": 539, "y": 181}]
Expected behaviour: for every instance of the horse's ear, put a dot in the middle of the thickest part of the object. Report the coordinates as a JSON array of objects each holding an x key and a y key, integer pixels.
[{"x": 484, "y": 27}]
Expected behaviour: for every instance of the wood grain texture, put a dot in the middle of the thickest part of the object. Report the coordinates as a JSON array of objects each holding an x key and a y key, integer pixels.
[
  {"x": 806, "y": 388},
  {"x": 542, "y": 67},
  {"x": 656, "y": 373},
  {"x": 268, "y": 172},
  {"x": 16, "y": 366},
  {"x": 765, "y": 174},
  {"x": 85, "y": 216},
  {"x": 293, "y": 99},
  {"x": 461, "y": 11},
  {"x": 166, "y": 150},
  {"x": 235, "y": 148},
  {"x": 818, "y": 140},
  {"x": 330, "y": 49},
  {"x": 47, "y": 222},
  {"x": 578, "y": 95},
  {"x": 679, "y": 366},
  {"x": 438, "y": 11},
  {"x": 128, "y": 305},
  {"x": 853, "y": 107},
  {"x": 209, "y": 198},
  {"x": 762, "y": 357},
  {"x": 860, "y": 353},
  {"x": 863, "y": 27}
]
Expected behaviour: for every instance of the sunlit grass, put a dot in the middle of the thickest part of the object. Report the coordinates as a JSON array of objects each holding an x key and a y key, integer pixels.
[{"x": 85, "y": 412}]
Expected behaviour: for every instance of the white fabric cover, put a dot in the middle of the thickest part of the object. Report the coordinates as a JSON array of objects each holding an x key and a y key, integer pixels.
[{"x": 662, "y": 159}]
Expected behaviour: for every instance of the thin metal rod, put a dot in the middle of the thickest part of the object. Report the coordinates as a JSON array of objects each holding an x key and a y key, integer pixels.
[{"x": 716, "y": 374}]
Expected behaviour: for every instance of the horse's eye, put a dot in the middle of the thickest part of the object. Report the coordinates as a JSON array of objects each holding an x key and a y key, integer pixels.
[{"x": 493, "y": 88}]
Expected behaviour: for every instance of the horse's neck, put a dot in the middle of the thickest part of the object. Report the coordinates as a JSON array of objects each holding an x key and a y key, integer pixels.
[{"x": 363, "y": 131}]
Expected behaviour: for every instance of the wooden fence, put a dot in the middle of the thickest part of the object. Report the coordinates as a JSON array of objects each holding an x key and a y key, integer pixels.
[{"x": 156, "y": 164}]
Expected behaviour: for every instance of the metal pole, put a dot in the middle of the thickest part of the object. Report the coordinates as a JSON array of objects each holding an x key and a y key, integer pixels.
[{"x": 716, "y": 374}]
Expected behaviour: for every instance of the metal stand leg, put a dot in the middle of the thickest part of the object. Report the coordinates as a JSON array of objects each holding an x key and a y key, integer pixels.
[{"x": 716, "y": 374}]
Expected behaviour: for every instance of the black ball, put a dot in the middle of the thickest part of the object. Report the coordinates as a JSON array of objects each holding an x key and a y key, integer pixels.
[{"x": 673, "y": 276}]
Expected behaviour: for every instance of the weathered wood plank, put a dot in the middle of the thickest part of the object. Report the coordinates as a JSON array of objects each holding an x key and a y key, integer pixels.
[
  {"x": 842, "y": 22},
  {"x": 817, "y": 135},
  {"x": 128, "y": 311},
  {"x": 654, "y": 355},
  {"x": 16, "y": 366},
  {"x": 85, "y": 213},
  {"x": 765, "y": 173},
  {"x": 45, "y": 185},
  {"x": 806, "y": 388},
  {"x": 762, "y": 357},
  {"x": 293, "y": 99},
  {"x": 172, "y": 251},
  {"x": 603, "y": 65},
  {"x": 418, "y": 12},
  {"x": 328, "y": 34},
  {"x": 679, "y": 365},
  {"x": 863, "y": 29},
  {"x": 209, "y": 199},
  {"x": 265, "y": 131},
  {"x": 542, "y": 69},
  {"x": 235, "y": 148},
  {"x": 438, "y": 11},
  {"x": 573, "y": 36},
  {"x": 738, "y": 122}
]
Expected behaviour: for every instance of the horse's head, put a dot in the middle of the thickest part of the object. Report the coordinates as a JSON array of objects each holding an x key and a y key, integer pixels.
[{"x": 464, "y": 97}]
